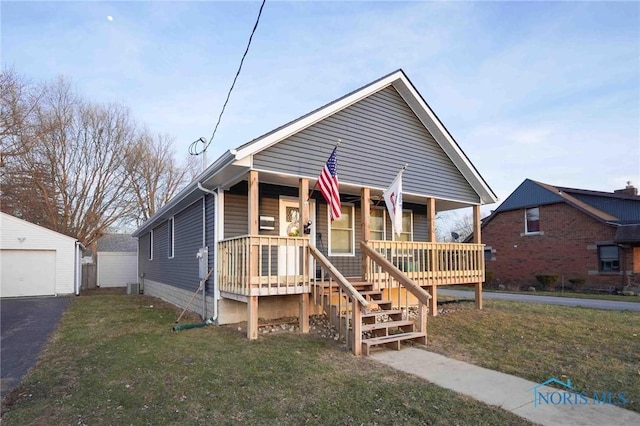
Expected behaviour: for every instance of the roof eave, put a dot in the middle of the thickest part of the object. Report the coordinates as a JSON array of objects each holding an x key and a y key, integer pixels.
[
  {"x": 416, "y": 102},
  {"x": 220, "y": 164},
  {"x": 440, "y": 133}
]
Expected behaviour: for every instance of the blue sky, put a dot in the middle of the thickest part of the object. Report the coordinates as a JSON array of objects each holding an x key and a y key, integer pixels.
[{"x": 543, "y": 90}]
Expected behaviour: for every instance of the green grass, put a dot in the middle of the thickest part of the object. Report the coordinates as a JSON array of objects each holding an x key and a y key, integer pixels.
[
  {"x": 599, "y": 350},
  {"x": 114, "y": 360}
]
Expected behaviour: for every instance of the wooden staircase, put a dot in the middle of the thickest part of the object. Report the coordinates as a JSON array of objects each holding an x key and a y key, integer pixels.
[{"x": 382, "y": 325}]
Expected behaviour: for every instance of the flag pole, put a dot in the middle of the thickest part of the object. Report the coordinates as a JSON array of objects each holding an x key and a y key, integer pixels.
[
  {"x": 314, "y": 186},
  {"x": 402, "y": 170}
]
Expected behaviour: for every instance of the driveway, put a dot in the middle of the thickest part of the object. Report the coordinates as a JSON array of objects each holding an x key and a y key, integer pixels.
[
  {"x": 25, "y": 327},
  {"x": 551, "y": 300}
]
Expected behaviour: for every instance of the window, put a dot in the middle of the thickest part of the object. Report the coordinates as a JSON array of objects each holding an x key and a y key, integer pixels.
[
  {"x": 151, "y": 245},
  {"x": 341, "y": 235},
  {"x": 407, "y": 227},
  {"x": 489, "y": 253},
  {"x": 532, "y": 220},
  {"x": 377, "y": 224},
  {"x": 170, "y": 238},
  {"x": 609, "y": 258}
]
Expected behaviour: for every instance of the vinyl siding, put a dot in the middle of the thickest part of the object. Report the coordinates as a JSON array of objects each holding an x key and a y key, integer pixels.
[
  {"x": 182, "y": 270},
  {"x": 379, "y": 135},
  {"x": 236, "y": 215},
  {"x": 210, "y": 235}
]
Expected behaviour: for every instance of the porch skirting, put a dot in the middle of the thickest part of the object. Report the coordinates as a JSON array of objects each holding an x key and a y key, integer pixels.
[
  {"x": 229, "y": 311},
  {"x": 178, "y": 297}
]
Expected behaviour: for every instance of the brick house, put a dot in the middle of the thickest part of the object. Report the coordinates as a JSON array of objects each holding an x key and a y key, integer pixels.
[{"x": 542, "y": 229}]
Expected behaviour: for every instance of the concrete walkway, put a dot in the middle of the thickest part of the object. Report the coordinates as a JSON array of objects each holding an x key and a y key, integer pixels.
[{"x": 508, "y": 392}]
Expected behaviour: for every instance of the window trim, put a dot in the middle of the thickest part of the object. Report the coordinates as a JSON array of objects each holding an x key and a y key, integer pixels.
[
  {"x": 384, "y": 222},
  {"x": 353, "y": 232},
  {"x": 151, "y": 244},
  {"x": 394, "y": 236},
  {"x": 526, "y": 222},
  {"x": 171, "y": 237}
]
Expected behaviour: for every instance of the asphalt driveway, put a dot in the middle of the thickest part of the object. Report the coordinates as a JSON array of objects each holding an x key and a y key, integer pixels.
[{"x": 25, "y": 327}]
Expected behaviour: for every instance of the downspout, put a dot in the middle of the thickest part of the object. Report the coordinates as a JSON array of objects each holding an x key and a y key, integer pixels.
[
  {"x": 215, "y": 251},
  {"x": 78, "y": 268}
]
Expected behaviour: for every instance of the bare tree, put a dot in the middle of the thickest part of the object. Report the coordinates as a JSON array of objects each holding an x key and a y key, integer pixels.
[
  {"x": 18, "y": 103},
  {"x": 72, "y": 178},
  {"x": 452, "y": 223},
  {"x": 154, "y": 175},
  {"x": 81, "y": 168}
]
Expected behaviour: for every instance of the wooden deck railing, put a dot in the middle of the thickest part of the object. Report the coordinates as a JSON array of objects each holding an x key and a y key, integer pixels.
[
  {"x": 429, "y": 263},
  {"x": 397, "y": 279},
  {"x": 254, "y": 265},
  {"x": 349, "y": 301}
]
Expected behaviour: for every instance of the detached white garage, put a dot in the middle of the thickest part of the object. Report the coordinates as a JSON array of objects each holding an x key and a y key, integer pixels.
[
  {"x": 117, "y": 260},
  {"x": 36, "y": 261}
]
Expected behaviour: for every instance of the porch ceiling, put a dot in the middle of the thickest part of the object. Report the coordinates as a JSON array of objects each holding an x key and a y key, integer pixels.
[{"x": 352, "y": 192}]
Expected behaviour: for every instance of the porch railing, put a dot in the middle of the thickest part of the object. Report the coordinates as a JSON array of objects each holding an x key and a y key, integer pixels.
[
  {"x": 398, "y": 284},
  {"x": 429, "y": 263},
  {"x": 253, "y": 265},
  {"x": 346, "y": 314}
]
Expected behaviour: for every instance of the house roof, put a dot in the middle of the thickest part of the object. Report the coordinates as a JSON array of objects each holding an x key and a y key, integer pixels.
[
  {"x": 607, "y": 207},
  {"x": 4, "y": 218},
  {"x": 237, "y": 162},
  {"x": 117, "y": 243},
  {"x": 627, "y": 234}
]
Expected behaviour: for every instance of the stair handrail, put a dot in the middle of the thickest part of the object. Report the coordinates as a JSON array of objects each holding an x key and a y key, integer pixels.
[
  {"x": 336, "y": 275},
  {"x": 421, "y": 294}
]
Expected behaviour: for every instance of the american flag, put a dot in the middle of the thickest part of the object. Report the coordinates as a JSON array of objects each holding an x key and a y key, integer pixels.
[{"x": 328, "y": 182}]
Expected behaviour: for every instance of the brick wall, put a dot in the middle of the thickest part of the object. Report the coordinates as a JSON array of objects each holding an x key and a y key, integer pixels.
[{"x": 565, "y": 247}]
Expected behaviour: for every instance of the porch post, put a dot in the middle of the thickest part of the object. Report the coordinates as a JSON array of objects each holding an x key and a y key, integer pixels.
[
  {"x": 252, "y": 304},
  {"x": 303, "y": 194},
  {"x": 356, "y": 328},
  {"x": 365, "y": 210},
  {"x": 421, "y": 321},
  {"x": 431, "y": 219},
  {"x": 477, "y": 239},
  {"x": 252, "y": 318},
  {"x": 431, "y": 235}
]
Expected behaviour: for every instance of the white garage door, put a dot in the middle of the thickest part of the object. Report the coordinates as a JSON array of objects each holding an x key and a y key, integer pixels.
[
  {"x": 27, "y": 272},
  {"x": 117, "y": 269}
]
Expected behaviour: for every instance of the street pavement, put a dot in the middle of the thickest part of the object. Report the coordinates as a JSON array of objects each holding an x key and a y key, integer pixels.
[{"x": 551, "y": 300}]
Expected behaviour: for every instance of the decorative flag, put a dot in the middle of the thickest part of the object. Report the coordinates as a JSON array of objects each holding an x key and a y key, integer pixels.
[
  {"x": 393, "y": 200},
  {"x": 328, "y": 182}
]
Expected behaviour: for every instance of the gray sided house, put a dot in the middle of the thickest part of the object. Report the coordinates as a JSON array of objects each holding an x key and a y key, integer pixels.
[{"x": 270, "y": 242}]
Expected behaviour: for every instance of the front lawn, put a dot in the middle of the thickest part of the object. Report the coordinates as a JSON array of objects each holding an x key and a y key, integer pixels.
[
  {"x": 114, "y": 360},
  {"x": 599, "y": 350}
]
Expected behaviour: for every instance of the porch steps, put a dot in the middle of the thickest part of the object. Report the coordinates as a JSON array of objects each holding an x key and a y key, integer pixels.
[
  {"x": 382, "y": 325},
  {"x": 392, "y": 341}
]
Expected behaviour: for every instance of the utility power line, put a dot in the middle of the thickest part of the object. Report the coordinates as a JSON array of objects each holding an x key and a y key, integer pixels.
[{"x": 193, "y": 148}]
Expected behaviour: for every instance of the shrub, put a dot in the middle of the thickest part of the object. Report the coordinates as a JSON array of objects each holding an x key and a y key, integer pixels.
[
  {"x": 548, "y": 282},
  {"x": 577, "y": 283},
  {"x": 488, "y": 277}
]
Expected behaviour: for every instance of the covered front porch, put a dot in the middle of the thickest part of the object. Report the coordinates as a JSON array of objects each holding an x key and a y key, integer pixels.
[
  {"x": 250, "y": 267},
  {"x": 274, "y": 261}
]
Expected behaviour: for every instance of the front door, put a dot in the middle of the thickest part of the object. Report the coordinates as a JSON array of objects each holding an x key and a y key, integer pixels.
[{"x": 288, "y": 263}]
